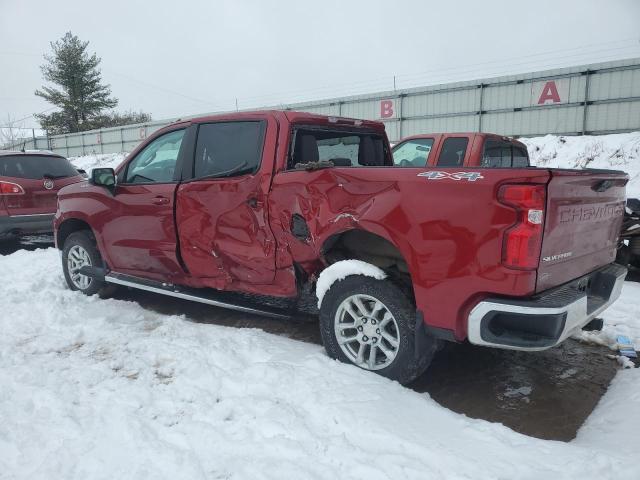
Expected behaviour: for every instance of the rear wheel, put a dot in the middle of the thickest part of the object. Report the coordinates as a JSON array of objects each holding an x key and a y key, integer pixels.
[
  {"x": 80, "y": 250},
  {"x": 371, "y": 324}
]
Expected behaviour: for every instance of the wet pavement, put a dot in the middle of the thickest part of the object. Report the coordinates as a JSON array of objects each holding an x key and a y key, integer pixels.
[{"x": 543, "y": 394}]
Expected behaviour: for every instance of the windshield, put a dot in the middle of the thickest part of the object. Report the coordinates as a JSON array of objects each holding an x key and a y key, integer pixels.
[
  {"x": 412, "y": 153},
  {"x": 36, "y": 167}
]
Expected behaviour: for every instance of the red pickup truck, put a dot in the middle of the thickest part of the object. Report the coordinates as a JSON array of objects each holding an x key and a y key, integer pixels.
[
  {"x": 280, "y": 205},
  {"x": 460, "y": 150}
]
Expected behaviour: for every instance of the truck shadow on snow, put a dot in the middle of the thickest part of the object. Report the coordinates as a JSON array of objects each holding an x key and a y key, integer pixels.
[{"x": 543, "y": 394}]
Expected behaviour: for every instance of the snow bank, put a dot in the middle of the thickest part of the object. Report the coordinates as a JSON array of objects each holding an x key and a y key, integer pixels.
[
  {"x": 89, "y": 162},
  {"x": 105, "y": 389},
  {"x": 622, "y": 318},
  {"x": 341, "y": 270},
  {"x": 616, "y": 151}
]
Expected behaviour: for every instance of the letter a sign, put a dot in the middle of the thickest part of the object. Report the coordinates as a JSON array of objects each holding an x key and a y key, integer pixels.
[{"x": 550, "y": 92}]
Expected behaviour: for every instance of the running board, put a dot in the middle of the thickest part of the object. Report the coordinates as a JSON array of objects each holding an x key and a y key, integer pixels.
[{"x": 193, "y": 294}]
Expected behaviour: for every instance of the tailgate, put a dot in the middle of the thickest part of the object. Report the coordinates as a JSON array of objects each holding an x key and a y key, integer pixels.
[{"x": 583, "y": 218}]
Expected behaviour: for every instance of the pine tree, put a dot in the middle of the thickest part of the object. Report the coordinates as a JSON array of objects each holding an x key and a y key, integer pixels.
[{"x": 82, "y": 97}]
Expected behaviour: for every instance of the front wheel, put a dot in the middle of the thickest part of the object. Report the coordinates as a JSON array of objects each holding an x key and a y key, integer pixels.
[
  {"x": 371, "y": 324},
  {"x": 80, "y": 250}
]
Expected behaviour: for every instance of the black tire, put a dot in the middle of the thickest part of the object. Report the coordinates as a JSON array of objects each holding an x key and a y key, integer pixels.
[
  {"x": 407, "y": 364},
  {"x": 87, "y": 241},
  {"x": 624, "y": 255}
]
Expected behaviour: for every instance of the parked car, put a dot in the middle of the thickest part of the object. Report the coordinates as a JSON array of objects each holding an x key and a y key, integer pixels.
[
  {"x": 29, "y": 184},
  {"x": 460, "y": 150},
  {"x": 279, "y": 203}
]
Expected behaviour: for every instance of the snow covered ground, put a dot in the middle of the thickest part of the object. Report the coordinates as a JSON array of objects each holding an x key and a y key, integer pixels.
[{"x": 105, "y": 389}]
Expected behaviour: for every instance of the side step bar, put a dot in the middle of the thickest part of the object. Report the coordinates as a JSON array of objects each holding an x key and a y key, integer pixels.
[{"x": 208, "y": 296}]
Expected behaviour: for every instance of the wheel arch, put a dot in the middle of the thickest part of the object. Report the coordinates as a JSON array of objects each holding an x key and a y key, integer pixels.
[
  {"x": 376, "y": 248},
  {"x": 69, "y": 226}
]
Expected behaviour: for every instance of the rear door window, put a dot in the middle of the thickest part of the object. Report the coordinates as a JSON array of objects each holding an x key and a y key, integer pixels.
[
  {"x": 343, "y": 149},
  {"x": 453, "y": 152},
  {"x": 228, "y": 149},
  {"x": 412, "y": 153},
  {"x": 36, "y": 167}
]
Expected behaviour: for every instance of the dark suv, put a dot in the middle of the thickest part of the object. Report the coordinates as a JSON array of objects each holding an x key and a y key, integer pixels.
[{"x": 29, "y": 184}]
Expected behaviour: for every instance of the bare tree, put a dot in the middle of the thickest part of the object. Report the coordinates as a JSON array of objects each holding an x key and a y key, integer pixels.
[{"x": 12, "y": 132}]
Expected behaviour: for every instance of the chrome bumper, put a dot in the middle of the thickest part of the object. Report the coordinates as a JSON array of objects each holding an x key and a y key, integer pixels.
[{"x": 547, "y": 319}]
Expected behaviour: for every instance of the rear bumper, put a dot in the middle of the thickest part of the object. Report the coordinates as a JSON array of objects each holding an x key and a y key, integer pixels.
[
  {"x": 546, "y": 319},
  {"x": 17, "y": 225}
]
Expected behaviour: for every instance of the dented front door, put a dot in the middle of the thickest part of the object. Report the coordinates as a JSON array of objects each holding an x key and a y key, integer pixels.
[{"x": 221, "y": 214}]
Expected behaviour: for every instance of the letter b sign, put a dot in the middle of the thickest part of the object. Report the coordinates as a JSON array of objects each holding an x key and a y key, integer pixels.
[{"x": 387, "y": 109}]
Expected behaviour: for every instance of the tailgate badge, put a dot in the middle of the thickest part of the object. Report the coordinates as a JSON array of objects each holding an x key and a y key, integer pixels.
[
  {"x": 48, "y": 184},
  {"x": 557, "y": 256}
]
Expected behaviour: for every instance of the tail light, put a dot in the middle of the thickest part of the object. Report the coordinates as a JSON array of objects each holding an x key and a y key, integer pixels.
[
  {"x": 8, "y": 188},
  {"x": 523, "y": 241}
]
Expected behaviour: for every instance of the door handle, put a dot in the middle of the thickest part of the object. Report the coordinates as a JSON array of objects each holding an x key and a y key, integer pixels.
[{"x": 160, "y": 200}]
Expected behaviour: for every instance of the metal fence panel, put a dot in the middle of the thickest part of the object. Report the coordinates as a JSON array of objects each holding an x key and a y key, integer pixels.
[{"x": 613, "y": 116}]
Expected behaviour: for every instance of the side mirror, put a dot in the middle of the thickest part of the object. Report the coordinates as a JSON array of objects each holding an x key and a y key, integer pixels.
[
  {"x": 82, "y": 172},
  {"x": 104, "y": 177}
]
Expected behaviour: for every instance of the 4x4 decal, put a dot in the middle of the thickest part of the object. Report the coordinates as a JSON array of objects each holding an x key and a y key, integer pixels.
[{"x": 435, "y": 175}]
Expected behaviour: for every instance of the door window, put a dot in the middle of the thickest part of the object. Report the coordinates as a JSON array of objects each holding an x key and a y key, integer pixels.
[
  {"x": 228, "y": 149},
  {"x": 453, "y": 152},
  {"x": 412, "y": 153},
  {"x": 157, "y": 162}
]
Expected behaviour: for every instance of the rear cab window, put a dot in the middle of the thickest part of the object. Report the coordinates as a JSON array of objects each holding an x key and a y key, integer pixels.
[
  {"x": 342, "y": 148},
  {"x": 453, "y": 152},
  {"x": 36, "y": 167},
  {"x": 503, "y": 154},
  {"x": 412, "y": 153}
]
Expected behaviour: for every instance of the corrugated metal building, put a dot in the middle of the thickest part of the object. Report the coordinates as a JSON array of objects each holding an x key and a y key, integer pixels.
[{"x": 589, "y": 99}]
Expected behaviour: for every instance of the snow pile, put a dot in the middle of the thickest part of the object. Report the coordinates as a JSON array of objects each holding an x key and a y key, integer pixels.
[
  {"x": 623, "y": 318},
  {"x": 616, "y": 151},
  {"x": 89, "y": 162},
  {"x": 105, "y": 389},
  {"x": 342, "y": 269},
  {"x": 614, "y": 425}
]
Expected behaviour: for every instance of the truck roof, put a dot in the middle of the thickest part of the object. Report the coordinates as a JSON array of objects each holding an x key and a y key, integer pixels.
[
  {"x": 464, "y": 134},
  {"x": 293, "y": 116}
]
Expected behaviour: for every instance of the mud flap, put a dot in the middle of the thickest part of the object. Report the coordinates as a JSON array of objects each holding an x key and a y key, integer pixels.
[{"x": 428, "y": 338}]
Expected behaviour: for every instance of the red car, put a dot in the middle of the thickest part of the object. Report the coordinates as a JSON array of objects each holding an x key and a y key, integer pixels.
[
  {"x": 284, "y": 204},
  {"x": 29, "y": 184}
]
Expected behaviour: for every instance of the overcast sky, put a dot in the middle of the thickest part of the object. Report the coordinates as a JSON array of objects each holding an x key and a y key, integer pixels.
[{"x": 173, "y": 58}]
